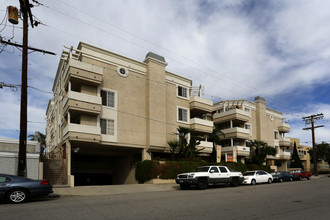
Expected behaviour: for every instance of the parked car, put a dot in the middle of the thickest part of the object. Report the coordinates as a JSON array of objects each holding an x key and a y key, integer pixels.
[
  {"x": 17, "y": 189},
  {"x": 282, "y": 176},
  {"x": 204, "y": 176},
  {"x": 257, "y": 176},
  {"x": 299, "y": 174}
]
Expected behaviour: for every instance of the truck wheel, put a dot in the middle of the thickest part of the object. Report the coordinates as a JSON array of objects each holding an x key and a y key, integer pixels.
[
  {"x": 309, "y": 177},
  {"x": 270, "y": 180},
  {"x": 184, "y": 186},
  {"x": 202, "y": 183},
  {"x": 300, "y": 178},
  {"x": 253, "y": 182},
  {"x": 234, "y": 182}
]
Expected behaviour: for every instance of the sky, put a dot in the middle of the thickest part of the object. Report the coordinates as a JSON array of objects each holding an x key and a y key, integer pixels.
[{"x": 237, "y": 49}]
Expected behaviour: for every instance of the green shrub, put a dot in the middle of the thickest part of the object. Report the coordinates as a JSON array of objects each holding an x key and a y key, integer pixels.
[{"x": 145, "y": 170}]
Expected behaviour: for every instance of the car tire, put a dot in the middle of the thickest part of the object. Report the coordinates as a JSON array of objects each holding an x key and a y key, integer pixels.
[
  {"x": 17, "y": 196},
  {"x": 291, "y": 179},
  {"x": 281, "y": 180},
  {"x": 269, "y": 181},
  {"x": 300, "y": 178},
  {"x": 309, "y": 177},
  {"x": 253, "y": 182},
  {"x": 202, "y": 183},
  {"x": 184, "y": 186}
]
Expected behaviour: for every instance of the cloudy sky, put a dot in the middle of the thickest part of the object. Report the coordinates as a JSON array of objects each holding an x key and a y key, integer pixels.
[{"x": 237, "y": 49}]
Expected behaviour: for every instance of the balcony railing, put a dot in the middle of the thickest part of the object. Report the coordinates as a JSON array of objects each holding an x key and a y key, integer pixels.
[
  {"x": 241, "y": 150},
  {"x": 206, "y": 147},
  {"x": 200, "y": 103},
  {"x": 202, "y": 125},
  {"x": 82, "y": 102},
  {"x": 83, "y": 97},
  {"x": 284, "y": 141},
  {"x": 237, "y": 132},
  {"x": 86, "y": 129},
  {"x": 232, "y": 114},
  {"x": 284, "y": 127},
  {"x": 283, "y": 155}
]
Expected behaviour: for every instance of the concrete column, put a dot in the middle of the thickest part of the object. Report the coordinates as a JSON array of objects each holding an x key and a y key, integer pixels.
[
  {"x": 231, "y": 123},
  {"x": 68, "y": 163},
  {"x": 231, "y": 142},
  {"x": 145, "y": 155}
]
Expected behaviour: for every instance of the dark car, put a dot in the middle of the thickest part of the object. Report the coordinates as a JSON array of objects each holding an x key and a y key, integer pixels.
[
  {"x": 282, "y": 176},
  {"x": 17, "y": 189}
]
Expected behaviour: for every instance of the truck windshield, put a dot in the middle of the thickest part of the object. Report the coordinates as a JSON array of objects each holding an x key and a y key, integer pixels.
[{"x": 202, "y": 169}]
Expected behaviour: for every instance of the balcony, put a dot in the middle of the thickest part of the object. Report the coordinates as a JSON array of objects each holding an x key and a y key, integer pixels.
[
  {"x": 82, "y": 132},
  {"x": 200, "y": 104},
  {"x": 284, "y": 141},
  {"x": 233, "y": 114},
  {"x": 201, "y": 125},
  {"x": 82, "y": 103},
  {"x": 284, "y": 128},
  {"x": 241, "y": 150},
  {"x": 283, "y": 155},
  {"x": 236, "y": 132},
  {"x": 86, "y": 72},
  {"x": 206, "y": 146}
]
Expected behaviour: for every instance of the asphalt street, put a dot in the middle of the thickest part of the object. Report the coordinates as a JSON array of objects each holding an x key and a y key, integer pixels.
[{"x": 290, "y": 200}]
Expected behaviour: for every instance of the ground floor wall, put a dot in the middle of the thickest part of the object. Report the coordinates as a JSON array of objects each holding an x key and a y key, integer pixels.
[{"x": 9, "y": 163}]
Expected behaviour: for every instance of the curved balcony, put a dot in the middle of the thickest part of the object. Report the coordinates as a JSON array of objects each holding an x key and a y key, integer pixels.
[
  {"x": 233, "y": 114},
  {"x": 284, "y": 128},
  {"x": 236, "y": 132}
]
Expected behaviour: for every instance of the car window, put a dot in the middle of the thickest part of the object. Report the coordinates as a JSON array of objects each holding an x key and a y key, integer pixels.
[
  {"x": 223, "y": 170},
  {"x": 4, "y": 179},
  {"x": 262, "y": 173},
  {"x": 214, "y": 170}
]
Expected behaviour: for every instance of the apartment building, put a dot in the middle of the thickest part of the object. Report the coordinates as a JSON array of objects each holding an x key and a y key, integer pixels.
[
  {"x": 242, "y": 121},
  {"x": 109, "y": 111}
]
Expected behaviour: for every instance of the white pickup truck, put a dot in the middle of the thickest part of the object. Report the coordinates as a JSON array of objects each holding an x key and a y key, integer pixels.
[{"x": 204, "y": 176}]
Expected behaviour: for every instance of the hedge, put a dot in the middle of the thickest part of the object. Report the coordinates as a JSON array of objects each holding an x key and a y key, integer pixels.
[{"x": 147, "y": 169}]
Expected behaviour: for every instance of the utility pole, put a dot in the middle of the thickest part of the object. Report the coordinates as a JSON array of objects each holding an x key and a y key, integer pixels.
[
  {"x": 21, "y": 169},
  {"x": 311, "y": 120},
  {"x": 25, "y": 8}
]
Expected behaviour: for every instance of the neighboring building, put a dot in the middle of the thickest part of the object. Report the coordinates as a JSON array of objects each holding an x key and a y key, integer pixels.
[
  {"x": 302, "y": 152},
  {"x": 110, "y": 111},
  {"x": 9, "y": 158},
  {"x": 242, "y": 121}
]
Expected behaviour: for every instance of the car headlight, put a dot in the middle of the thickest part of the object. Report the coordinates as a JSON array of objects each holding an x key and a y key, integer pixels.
[{"x": 191, "y": 175}]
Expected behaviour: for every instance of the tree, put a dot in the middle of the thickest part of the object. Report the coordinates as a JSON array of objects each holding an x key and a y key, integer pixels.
[
  {"x": 41, "y": 138},
  {"x": 322, "y": 152},
  {"x": 296, "y": 162},
  {"x": 260, "y": 150},
  {"x": 215, "y": 139},
  {"x": 174, "y": 145},
  {"x": 187, "y": 150}
]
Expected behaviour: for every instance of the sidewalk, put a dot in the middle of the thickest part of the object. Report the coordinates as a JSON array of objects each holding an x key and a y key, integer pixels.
[{"x": 113, "y": 189}]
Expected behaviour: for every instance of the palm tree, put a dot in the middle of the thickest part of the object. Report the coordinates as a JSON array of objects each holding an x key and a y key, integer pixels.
[
  {"x": 41, "y": 138},
  {"x": 215, "y": 137},
  {"x": 260, "y": 150},
  {"x": 173, "y": 145},
  {"x": 187, "y": 150}
]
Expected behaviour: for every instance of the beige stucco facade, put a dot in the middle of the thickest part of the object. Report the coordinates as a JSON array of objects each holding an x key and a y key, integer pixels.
[
  {"x": 116, "y": 111},
  {"x": 242, "y": 121}
]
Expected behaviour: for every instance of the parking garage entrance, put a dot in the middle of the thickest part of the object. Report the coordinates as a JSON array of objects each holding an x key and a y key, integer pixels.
[{"x": 95, "y": 164}]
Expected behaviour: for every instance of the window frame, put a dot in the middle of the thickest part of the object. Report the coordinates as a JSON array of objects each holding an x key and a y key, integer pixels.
[
  {"x": 107, "y": 120},
  {"x": 178, "y": 114},
  {"x": 107, "y": 98},
  {"x": 182, "y": 92}
]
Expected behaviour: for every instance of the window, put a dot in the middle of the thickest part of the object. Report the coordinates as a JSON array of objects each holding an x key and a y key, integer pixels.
[
  {"x": 223, "y": 170},
  {"x": 182, "y": 113},
  {"x": 214, "y": 170},
  {"x": 108, "y": 98},
  {"x": 275, "y": 135},
  {"x": 107, "y": 126},
  {"x": 247, "y": 126},
  {"x": 182, "y": 92}
]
